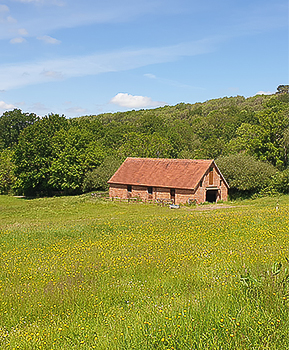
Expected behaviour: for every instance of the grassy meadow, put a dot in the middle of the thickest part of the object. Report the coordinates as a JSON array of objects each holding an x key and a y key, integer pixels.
[{"x": 86, "y": 273}]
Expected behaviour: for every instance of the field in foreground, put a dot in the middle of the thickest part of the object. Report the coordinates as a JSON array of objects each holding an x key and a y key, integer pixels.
[{"x": 85, "y": 273}]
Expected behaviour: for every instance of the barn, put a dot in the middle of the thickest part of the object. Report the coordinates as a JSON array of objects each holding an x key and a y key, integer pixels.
[{"x": 177, "y": 180}]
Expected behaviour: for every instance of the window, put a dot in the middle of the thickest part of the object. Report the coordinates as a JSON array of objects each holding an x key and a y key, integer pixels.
[
  {"x": 150, "y": 190},
  {"x": 221, "y": 182},
  {"x": 201, "y": 183},
  {"x": 128, "y": 188}
]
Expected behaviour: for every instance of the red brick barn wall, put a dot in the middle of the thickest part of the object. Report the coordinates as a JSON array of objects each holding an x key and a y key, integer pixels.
[
  {"x": 224, "y": 191},
  {"x": 183, "y": 195},
  {"x": 119, "y": 191},
  {"x": 140, "y": 192},
  {"x": 200, "y": 194},
  {"x": 162, "y": 193}
]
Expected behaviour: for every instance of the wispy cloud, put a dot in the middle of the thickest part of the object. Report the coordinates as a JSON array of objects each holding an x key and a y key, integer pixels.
[
  {"x": 171, "y": 82},
  {"x": 18, "y": 40},
  {"x": 17, "y": 75},
  {"x": 22, "y": 31},
  {"x": 39, "y": 107},
  {"x": 52, "y": 74},
  {"x": 4, "y": 17},
  {"x": 4, "y": 9},
  {"x": 73, "y": 14},
  {"x": 150, "y": 76},
  {"x": 76, "y": 111},
  {"x": 43, "y": 2},
  {"x": 49, "y": 40},
  {"x": 131, "y": 101}
]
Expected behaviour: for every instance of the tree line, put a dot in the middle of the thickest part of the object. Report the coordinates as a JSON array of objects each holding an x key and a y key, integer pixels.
[{"x": 248, "y": 138}]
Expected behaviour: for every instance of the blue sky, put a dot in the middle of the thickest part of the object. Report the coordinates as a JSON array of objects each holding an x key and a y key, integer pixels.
[{"x": 88, "y": 57}]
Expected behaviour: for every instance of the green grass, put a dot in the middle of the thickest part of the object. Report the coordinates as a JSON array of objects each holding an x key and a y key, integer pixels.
[{"x": 86, "y": 273}]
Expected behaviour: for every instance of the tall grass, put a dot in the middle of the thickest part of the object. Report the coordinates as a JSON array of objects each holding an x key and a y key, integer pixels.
[{"x": 84, "y": 273}]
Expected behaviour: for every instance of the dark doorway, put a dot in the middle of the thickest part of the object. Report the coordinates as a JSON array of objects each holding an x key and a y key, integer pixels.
[
  {"x": 129, "y": 190},
  {"x": 173, "y": 194},
  {"x": 211, "y": 196},
  {"x": 150, "y": 193}
]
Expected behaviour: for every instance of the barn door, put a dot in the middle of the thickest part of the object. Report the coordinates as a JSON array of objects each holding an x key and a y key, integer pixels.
[
  {"x": 150, "y": 193},
  {"x": 211, "y": 196},
  {"x": 173, "y": 194},
  {"x": 211, "y": 176}
]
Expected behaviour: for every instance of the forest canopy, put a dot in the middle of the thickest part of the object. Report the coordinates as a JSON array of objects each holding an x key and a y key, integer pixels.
[{"x": 56, "y": 155}]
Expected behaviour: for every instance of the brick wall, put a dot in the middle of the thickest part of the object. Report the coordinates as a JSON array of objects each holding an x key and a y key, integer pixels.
[
  {"x": 162, "y": 193},
  {"x": 119, "y": 191},
  {"x": 182, "y": 196}
]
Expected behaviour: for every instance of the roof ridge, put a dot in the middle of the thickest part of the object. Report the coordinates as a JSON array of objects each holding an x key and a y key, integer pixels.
[{"x": 170, "y": 159}]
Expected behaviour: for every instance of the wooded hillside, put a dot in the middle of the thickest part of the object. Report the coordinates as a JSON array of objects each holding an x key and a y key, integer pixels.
[{"x": 248, "y": 137}]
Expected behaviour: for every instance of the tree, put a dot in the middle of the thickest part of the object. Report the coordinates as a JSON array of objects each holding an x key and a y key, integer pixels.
[
  {"x": 274, "y": 121},
  {"x": 11, "y": 125},
  {"x": 142, "y": 145},
  {"x": 283, "y": 89},
  {"x": 74, "y": 153},
  {"x": 246, "y": 174},
  {"x": 7, "y": 177},
  {"x": 280, "y": 182},
  {"x": 34, "y": 154},
  {"x": 97, "y": 178},
  {"x": 247, "y": 139},
  {"x": 266, "y": 140},
  {"x": 150, "y": 124}
]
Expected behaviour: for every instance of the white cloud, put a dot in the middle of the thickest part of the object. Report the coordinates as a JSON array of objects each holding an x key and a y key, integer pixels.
[
  {"x": 76, "y": 111},
  {"x": 43, "y": 2},
  {"x": 6, "y": 106},
  {"x": 4, "y": 19},
  {"x": 264, "y": 93},
  {"x": 22, "y": 32},
  {"x": 150, "y": 76},
  {"x": 11, "y": 20},
  {"x": 4, "y": 8},
  {"x": 20, "y": 103},
  {"x": 17, "y": 75},
  {"x": 48, "y": 39},
  {"x": 131, "y": 101},
  {"x": 38, "y": 106},
  {"x": 18, "y": 40},
  {"x": 53, "y": 74}
]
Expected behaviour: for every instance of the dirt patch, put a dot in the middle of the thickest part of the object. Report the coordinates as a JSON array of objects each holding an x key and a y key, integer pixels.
[{"x": 211, "y": 207}]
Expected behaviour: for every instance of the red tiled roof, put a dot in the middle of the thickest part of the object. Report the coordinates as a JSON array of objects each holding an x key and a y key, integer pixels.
[{"x": 156, "y": 172}]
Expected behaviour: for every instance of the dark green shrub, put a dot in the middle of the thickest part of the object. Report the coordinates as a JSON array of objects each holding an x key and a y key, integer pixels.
[
  {"x": 245, "y": 174},
  {"x": 97, "y": 178}
]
